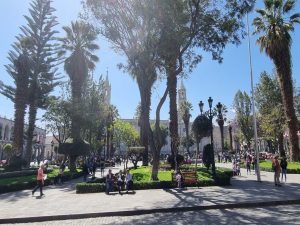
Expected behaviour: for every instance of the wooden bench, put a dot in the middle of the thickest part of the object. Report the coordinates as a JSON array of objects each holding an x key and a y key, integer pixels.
[{"x": 189, "y": 178}]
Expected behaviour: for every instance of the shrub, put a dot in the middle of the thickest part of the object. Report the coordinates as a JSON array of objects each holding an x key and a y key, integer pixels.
[
  {"x": 15, "y": 163},
  {"x": 179, "y": 159},
  {"x": 89, "y": 187}
]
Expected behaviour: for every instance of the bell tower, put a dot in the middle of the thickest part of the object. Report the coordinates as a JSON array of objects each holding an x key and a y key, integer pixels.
[
  {"x": 107, "y": 90},
  {"x": 181, "y": 98}
]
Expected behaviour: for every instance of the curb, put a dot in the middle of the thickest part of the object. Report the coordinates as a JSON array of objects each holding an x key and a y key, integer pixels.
[{"x": 148, "y": 211}]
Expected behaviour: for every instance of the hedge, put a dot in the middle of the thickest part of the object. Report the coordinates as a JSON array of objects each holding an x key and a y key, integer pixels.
[
  {"x": 98, "y": 186},
  {"x": 30, "y": 181},
  {"x": 21, "y": 173}
]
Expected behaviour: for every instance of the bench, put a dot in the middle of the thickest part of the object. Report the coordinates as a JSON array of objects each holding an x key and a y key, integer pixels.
[{"x": 189, "y": 178}]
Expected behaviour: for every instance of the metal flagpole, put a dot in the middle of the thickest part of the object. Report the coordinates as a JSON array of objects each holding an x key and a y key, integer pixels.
[{"x": 253, "y": 105}]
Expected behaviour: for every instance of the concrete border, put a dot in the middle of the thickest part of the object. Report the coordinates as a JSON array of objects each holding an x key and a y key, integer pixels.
[{"x": 148, "y": 211}]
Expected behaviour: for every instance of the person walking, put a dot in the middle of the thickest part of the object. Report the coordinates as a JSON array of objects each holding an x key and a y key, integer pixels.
[
  {"x": 120, "y": 182},
  {"x": 248, "y": 164},
  {"x": 40, "y": 180},
  {"x": 276, "y": 167},
  {"x": 129, "y": 182},
  {"x": 109, "y": 182},
  {"x": 85, "y": 171},
  {"x": 283, "y": 165},
  {"x": 61, "y": 173}
]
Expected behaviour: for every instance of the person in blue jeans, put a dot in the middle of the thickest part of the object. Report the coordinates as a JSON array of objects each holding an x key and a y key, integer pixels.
[
  {"x": 283, "y": 165},
  {"x": 109, "y": 182}
]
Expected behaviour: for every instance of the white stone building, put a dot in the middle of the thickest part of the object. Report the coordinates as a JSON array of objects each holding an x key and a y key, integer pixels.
[{"x": 6, "y": 136}]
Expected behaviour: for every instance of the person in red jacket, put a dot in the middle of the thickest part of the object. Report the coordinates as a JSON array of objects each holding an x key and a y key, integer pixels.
[{"x": 40, "y": 180}]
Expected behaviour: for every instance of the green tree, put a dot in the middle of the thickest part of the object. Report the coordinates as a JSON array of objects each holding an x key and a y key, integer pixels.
[
  {"x": 221, "y": 119},
  {"x": 275, "y": 24},
  {"x": 58, "y": 117},
  {"x": 270, "y": 107},
  {"x": 111, "y": 115},
  {"x": 130, "y": 26},
  {"x": 124, "y": 133},
  {"x": 20, "y": 69},
  {"x": 185, "y": 108},
  {"x": 244, "y": 118},
  {"x": 40, "y": 29},
  {"x": 189, "y": 24},
  {"x": 201, "y": 128},
  {"x": 78, "y": 47}
]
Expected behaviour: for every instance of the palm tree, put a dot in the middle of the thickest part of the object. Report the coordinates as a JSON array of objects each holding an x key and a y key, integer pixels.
[
  {"x": 78, "y": 47},
  {"x": 221, "y": 111},
  {"x": 185, "y": 108},
  {"x": 275, "y": 25}
]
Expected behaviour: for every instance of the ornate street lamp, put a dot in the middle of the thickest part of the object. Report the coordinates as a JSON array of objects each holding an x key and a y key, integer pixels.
[
  {"x": 211, "y": 114},
  {"x": 220, "y": 121},
  {"x": 201, "y": 104}
]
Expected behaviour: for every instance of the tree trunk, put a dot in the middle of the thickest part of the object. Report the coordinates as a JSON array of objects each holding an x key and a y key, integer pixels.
[
  {"x": 20, "y": 107},
  {"x": 145, "y": 93},
  {"x": 283, "y": 65},
  {"x": 230, "y": 137},
  {"x": 187, "y": 138},
  {"x": 197, "y": 153},
  {"x": 30, "y": 131},
  {"x": 222, "y": 137},
  {"x": 280, "y": 145},
  {"x": 156, "y": 142},
  {"x": 155, "y": 165},
  {"x": 173, "y": 126},
  {"x": 72, "y": 166}
]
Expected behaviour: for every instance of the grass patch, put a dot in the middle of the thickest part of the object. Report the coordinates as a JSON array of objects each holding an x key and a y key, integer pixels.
[
  {"x": 27, "y": 182},
  {"x": 293, "y": 167}
]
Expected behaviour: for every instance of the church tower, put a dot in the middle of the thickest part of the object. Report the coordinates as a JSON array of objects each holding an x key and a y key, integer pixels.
[
  {"x": 181, "y": 98},
  {"x": 107, "y": 90}
]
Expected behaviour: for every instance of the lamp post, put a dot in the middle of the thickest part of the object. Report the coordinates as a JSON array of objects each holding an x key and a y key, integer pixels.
[
  {"x": 252, "y": 97},
  {"x": 52, "y": 144},
  {"x": 210, "y": 113},
  {"x": 221, "y": 123}
]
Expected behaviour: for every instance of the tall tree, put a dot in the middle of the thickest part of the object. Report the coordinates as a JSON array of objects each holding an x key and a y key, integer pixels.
[
  {"x": 221, "y": 119},
  {"x": 185, "y": 108},
  {"x": 40, "y": 28},
  {"x": 111, "y": 115},
  {"x": 186, "y": 24},
  {"x": 271, "y": 112},
  {"x": 130, "y": 27},
  {"x": 244, "y": 118},
  {"x": 20, "y": 70},
  {"x": 275, "y": 24},
  {"x": 78, "y": 47}
]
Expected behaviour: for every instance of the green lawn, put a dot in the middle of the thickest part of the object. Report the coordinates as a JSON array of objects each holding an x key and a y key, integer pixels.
[
  {"x": 143, "y": 174},
  {"x": 31, "y": 178},
  {"x": 293, "y": 167}
]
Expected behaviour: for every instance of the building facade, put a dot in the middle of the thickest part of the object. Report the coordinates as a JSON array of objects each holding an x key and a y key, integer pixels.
[{"x": 7, "y": 134}]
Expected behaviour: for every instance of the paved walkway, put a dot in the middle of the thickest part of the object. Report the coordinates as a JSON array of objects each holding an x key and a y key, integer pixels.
[{"x": 62, "y": 200}]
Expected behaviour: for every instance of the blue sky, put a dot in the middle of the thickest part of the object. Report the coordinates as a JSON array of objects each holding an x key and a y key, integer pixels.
[{"x": 221, "y": 81}]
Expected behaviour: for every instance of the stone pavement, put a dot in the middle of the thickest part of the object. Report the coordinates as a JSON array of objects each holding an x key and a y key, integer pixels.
[{"x": 62, "y": 200}]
